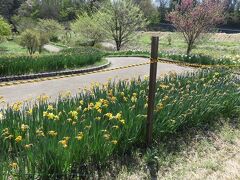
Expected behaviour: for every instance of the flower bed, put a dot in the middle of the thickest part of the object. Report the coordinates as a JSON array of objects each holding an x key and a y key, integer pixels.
[
  {"x": 68, "y": 59},
  {"x": 49, "y": 140}
]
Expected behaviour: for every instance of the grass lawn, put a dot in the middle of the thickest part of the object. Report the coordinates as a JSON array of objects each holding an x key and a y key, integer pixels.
[
  {"x": 12, "y": 47},
  {"x": 215, "y": 45}
]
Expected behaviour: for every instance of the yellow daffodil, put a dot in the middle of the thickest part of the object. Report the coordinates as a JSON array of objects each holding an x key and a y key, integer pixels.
[
  {"x": 29, "y": 112},
  {"x": 73, "y": 114},
  {"x": 52, "y": 133},
  {"x": 18, "y": 139},
  {"x": 159, "y": 107},
  {"x": 118, "y": 116},
  {"x": 122, "y": 121},
  {"x": 109, "y": 115},
  {"x": 17, "y": 106},
  {"x": 79, "y": 136},
  {"x": 13, "y": 165},
  {"x": 114, "y": 142},
  {"x": 106, "y": 136},
  {"x": 98, "y": 118},
  {"x": 163, "y": 86},
  {"x": 40, "y": 133},
  {"x": 43, "y": 98},
  {"x": 24, "y": 127},
  {"x": 50, "y": 108},
  {"x": 28, "y": 146},
  {"x": 116, "y": 127},
  {"x": 63, "y": 143},
  {"x": 134, "y": 99}
]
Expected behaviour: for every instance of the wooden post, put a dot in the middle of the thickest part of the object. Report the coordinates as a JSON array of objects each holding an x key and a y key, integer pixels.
[{"x": 152, "y": 90}]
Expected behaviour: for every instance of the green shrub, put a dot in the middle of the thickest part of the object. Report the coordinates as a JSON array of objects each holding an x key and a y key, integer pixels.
[
  {"x": 68, "y": 59},
  {"x": 92, "y": 127},
  {"x": 30, "y": 40}
]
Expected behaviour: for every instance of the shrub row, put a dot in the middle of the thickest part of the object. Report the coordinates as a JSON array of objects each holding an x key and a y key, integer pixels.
[
  {"x": 47, "y": 140},
  {"x": 68, "y": 59}
]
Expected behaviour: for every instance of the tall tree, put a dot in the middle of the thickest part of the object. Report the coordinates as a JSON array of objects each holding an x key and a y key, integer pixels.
[
  {"x": 122, "y": 19},
  {"x": 193, "y": 19},
  {"x": 149, "y": 10}
]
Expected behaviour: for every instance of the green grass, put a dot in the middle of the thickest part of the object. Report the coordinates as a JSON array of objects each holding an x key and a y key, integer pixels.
[
  {"x": 216, "y": 46},
  {"x": 11, "y": 47},
  {"x": 78, "y": 133},
  {"x": 68, "y": 59}
]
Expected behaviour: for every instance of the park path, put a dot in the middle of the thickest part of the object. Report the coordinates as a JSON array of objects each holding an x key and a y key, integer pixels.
[{"x": 52, "y": 88}]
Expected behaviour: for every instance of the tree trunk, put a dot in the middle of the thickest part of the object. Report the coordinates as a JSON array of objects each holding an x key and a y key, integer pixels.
[
  {"x": 118, "y": 45},
  {"x": 189, "y": 49}
]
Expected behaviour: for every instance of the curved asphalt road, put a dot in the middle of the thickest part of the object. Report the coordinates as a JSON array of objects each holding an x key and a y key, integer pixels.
[{"x": 54, "y": 87}]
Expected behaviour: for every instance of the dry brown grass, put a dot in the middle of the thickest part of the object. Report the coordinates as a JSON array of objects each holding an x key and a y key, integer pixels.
[{"x": 212, "y": 155}]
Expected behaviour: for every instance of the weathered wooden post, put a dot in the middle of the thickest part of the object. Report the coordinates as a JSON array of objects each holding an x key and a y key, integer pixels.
[{"x": 152, "y": 89}]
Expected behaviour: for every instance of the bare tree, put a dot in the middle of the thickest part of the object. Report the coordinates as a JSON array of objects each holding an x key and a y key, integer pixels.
[{"x": 193, "y": 18}]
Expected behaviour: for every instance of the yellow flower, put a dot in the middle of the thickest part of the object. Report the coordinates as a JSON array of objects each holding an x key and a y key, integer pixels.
[
  {"x": 13, "y": 165},
  {"x": 125, "y": 99},
  {"x": 17, "y": 106},
  {"x": 50, "y": 116},
  {"x": 28, "y": 146},
  {"x": 159, "y": 107},
  {"x": 98, "y": 118},
  {"x": 98, "y": 105},
  {"x": 39, "y": 132},
  {"x": 163, "y": 86},
  {"x": 118, "y": 116},
  {"x": 79, "y": 136},
  {"x": 18, "y": 139},
  {"x": 90, "y": 106},
  {"x": 24, "y": 127},
  {"x": 134, "y": 99},
  {"x": 74, "y": 114},
  {"x": 165, "y": 98},
  {"x": 63, "y": 143},
  {"x": 43, "y": 98},
  {"x": 122, "y": 94},
  {"x": 50, "y": 108},
  {"x": 122, "y": 121},
  {"x": 81, "y": 102},
  {"x": 45, "y": 114},
  {"x": 106, "y": 136},
  {"x": 109, "y": 115},
  {"x": 116, "y": 127},
  {"x": 134, "y": 94},
  {"x": 52, "y": 133},
  {"x": 113, "y": 99},
  {"x": 114, "y": 142},
  {"x": 29, "y": 112},
  {"x": 99, "y": 110},
  {"x": 74, "y": 122}
]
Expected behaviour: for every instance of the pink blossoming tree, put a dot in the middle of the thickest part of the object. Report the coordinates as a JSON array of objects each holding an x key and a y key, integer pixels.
[{"x": 193, "y": 18}]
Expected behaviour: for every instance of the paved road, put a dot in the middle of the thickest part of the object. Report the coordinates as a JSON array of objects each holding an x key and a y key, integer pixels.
[{"x": 54, "y": 87}]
